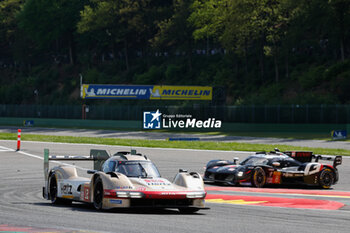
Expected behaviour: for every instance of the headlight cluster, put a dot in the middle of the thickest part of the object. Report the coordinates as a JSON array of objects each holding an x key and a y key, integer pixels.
[
  {"x": 129, "y": 194},
  {"x": 240, "y": 174},
  {"x": 195, "y": 195}
]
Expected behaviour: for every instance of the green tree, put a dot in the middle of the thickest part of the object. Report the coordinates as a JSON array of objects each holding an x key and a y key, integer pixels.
[
  {"x": 341, "y": 13},
  {"x": 176, "y": 32},
  {"x": 126, "y": 22},
  {"x": 208, "y": 17},
  {"x": 48, "y": 21},
  {"x": 8, "y": 25},
  {"x": 320, "y": 20},
  {"x": 239, "y": 24}
]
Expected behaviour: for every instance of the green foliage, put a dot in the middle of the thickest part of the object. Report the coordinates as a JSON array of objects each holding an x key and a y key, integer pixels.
[
  {"x": 311, "y": 78},
  {"x": 173, "y": 73},
  {"x": 269, "y": 93},
  {"x": 301, "y": 46},
  {"x": 93, "y": 18},
  {"x": 341, "y": 86},
  {"x": 8, "y": 11},
  {"x": 314, "y": 97},
  {"x": 47, "y": 20},
  {"x": 8, "y": 27},
  {"x": 94, "y": 76},
  {"x": 238, "y": 22},
  {"x": 207, "y": 17},
  {"x": 153, "y": 76},
  {"x": 333, "y": 71}
]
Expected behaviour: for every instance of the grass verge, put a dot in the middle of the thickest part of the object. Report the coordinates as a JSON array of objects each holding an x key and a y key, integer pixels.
[{"x": 203, "y": 145}]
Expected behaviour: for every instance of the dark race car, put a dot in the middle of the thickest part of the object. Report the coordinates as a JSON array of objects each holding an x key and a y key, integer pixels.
[{"x": 275, "y": 167}]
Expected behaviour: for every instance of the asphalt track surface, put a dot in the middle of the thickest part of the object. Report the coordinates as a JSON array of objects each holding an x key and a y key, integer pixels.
[
  {"x": 165, "y": 135},
  {"x": 240, "y": 209}
]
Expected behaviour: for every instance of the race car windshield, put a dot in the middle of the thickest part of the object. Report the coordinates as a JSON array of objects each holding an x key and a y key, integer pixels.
[
  {"x": 292, "y": 162},
  {"x": 138, "y": 169},
  {"x": 254, "y": 161}
]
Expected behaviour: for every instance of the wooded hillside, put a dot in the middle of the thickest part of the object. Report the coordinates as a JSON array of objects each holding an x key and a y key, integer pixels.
[{"x": 260, "y": 51}]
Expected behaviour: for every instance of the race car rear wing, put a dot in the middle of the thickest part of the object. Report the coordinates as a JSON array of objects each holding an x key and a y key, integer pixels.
[
  {"x": 98, "y": 156},
  {"x": 307, "y": 156},
  {"x": 301, "y": 156},
  {"x": 337, "y": 160}
]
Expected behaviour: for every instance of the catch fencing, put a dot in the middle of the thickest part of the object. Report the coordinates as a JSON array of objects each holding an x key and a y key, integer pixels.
[{"x": 293, "y": 114}]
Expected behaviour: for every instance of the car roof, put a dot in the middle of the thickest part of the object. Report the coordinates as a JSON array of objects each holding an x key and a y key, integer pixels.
[
  {"x": 270, "y": 155},
  {"x": 124, "y": 156}
]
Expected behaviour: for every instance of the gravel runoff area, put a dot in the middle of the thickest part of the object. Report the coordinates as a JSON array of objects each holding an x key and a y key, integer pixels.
[{"x": 164, "y": 135}]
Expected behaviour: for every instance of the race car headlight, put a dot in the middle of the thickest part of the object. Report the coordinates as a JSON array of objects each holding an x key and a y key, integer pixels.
[
  {"x": 195, "y": 195},
  {"x": 240, "y": 174},
  {"x": 122, "y": 194},
  {"x": 129, "y": 194},
  {"x": 136, "y": 195}
]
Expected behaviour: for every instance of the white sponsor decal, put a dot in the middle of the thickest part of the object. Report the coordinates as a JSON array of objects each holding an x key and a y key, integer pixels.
[{"x": 312, "y": 168}]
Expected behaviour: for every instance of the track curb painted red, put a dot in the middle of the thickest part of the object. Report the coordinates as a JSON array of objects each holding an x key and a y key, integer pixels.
[
  {"x": 24, "y": 229},
  {"x": 328, "y": 193},
  {"x": 301, "y": 203}
]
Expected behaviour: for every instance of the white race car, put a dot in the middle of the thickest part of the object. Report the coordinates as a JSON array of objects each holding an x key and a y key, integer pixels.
[{"x": 126, "y": 179}]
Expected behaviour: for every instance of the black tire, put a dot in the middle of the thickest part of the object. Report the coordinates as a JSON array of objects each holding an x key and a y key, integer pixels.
[
  {"x": 98, "y": 194},
  {"x": 53, "y": 192},
  {"x": 326, "y": 178},
  {"x": 188, "y": 210},
  {"x": 258, "y": 177}
]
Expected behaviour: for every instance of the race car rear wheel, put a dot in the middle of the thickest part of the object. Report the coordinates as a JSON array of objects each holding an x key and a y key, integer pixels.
[
  {"x": 326, "y": 178},
  {"x": 53, "y": 192},
  {"x": 98, "y": 194},
  {"x": 258, "y": 177}
]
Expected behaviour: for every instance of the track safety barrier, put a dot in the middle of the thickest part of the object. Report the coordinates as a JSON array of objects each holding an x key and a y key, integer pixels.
[{"x": 19, "y": 139}]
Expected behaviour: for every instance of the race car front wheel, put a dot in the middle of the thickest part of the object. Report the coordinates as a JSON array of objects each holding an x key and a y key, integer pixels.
[
  {"x": 98, "y": 194},
  {"x": 258, "y": 177},
  {"x": 326, "y": 178}
]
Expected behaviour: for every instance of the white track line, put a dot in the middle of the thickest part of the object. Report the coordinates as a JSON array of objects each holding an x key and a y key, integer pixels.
[
  {"x": 140, "y": 147},
  {"x": 153, "y": 148},
  {"x": 2, "y": 148}
]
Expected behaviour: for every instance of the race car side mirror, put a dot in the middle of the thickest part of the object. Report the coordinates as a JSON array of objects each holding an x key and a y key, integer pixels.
[
  {"x": 337, "y": 161},
  {"x": 235, "y": 160},
  {"x": 182, "y": 170},
  {"x": 276, "y": 164},
  {"x": 195, "y": 175}
]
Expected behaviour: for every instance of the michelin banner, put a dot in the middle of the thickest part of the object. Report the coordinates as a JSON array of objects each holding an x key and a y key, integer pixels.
[{"x": 95, "y": 91}]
